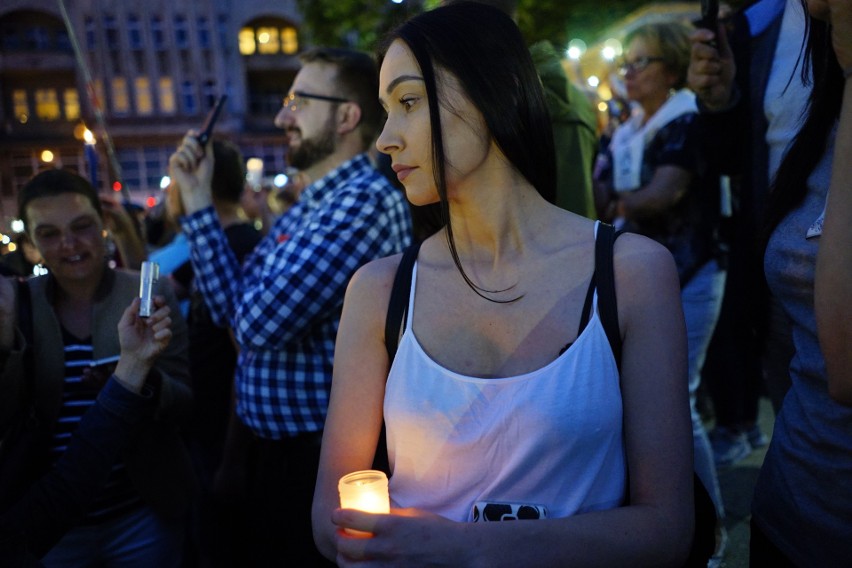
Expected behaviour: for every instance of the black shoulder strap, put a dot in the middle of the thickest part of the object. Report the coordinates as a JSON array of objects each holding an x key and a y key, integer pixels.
[
  {"x": 604, "y": 280},
  {"x": 398, "y": 304}
]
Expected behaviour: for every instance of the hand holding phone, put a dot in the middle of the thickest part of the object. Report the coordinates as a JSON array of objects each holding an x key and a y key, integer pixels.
[{"x": 210, "y": 121}]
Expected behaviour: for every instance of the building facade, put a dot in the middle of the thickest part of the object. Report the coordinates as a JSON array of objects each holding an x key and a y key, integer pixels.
[{"x": 147, "y": 72}]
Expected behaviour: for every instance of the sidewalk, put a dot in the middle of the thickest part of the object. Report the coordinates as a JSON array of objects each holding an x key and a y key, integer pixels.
[{"x": 737, "y": 484}]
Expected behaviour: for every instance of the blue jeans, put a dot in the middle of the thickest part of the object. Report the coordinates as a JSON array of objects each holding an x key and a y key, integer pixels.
[
  {"x": 139, "y": 539},
  {"x": 702, "y": 300}
]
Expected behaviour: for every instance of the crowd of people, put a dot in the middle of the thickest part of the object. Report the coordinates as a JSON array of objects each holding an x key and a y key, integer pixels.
[{"x": 532, "y": 332}]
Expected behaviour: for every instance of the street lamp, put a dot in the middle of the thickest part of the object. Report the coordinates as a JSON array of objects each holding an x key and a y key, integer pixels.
[{"x": 47, "y": 156}]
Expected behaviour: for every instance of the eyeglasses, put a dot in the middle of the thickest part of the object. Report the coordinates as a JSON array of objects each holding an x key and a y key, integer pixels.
[
  {"x": 298, "y": 99},
  {"x": 638, "y": 65}
]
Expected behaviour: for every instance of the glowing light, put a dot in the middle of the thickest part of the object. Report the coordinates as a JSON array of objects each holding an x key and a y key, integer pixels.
[
  {"x": 576, "y": 49},
  {"x": 88, "y": 136},
  {"x": 5, "y": 240},
  {"x": 593, "y": 81},
  {"x": 608, "y": 53},
  {"x": 17, "y": 225},
  {"x": 280, "y": 180},
  {"x": 263, "y": 37},
  {"x": 13, "y": 247},
  {"x": 116, "y": 186},
  {"x": 165, "y": 181},
  {"x": 614, "y": 46},
  {"x": 602, "y": 106},
  {"x": 47, "y": 156},
  {"x": 151, "y": 201}
]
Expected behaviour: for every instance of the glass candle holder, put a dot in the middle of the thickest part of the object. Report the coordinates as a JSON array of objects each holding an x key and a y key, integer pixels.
[{"x": 365, "y": 490}]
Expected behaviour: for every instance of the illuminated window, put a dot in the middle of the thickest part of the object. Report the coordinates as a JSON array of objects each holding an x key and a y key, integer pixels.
[
  {"x": 289, "y": 41},
  {"x": 100, "y": 96},
  {"x": 120, "y": 97},
  {"x": 20, "y": 105},
  {"x": 167, "y": 96},
  {"x": 47, "y": 104},
  {"x": 246, "y": 39},
  {"x": 71, "y": 100},
  {"x": 267, "y": 40},
  {"x": 144, "y": 104}
]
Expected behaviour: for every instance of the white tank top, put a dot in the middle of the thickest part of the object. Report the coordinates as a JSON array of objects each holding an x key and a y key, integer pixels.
[{"x": 551, "y": 437}]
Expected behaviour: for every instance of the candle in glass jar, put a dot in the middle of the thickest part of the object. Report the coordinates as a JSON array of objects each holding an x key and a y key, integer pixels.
[{"x": 365, "y": 490}]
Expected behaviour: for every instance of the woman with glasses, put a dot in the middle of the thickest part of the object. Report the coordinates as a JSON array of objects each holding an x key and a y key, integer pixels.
[
  {"x": 499, "y": 404},
  {"x": 655, "y": 183}
]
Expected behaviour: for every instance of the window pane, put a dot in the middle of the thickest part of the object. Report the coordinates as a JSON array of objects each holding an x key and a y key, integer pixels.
[
  {"x": 203, "y": 33},
  {"x": 267, "y": 40},
  {"x": 134, "y": 32},
  {"x": 120, "y": 97},
  {"x": 158, "y": 37},
  {"x": 187, "y": 94},
  {"x": 20, "y": 105},
  {"x": 289, "y": 41},
  {"x": 167, "y": 96},
  {"x": 246, "y": 38},
  {"x": 72, "y": 104},
  {"x": 144, "y": 104},
  {"x": 91, "y": 34},
  {"x": 47, "y": 104},
  {"x": 181, "y": 32}
]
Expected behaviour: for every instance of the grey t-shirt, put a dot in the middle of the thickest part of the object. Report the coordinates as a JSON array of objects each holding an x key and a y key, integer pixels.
[{"x": 803, "y": 497}]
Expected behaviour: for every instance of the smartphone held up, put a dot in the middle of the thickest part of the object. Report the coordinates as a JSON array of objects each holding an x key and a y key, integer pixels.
[
  {"x": 148, "y": 276},
  {"x": 210, "y": 121}
]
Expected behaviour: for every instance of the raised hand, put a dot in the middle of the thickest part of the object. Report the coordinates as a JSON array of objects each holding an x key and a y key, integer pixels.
[
  {"x": 141, "y": 340},
  {"x": 191, "y": 168},
  {"x": 711, "y": 68}
]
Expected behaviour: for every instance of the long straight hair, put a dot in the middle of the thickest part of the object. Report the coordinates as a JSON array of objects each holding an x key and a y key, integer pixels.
[
  {"x": 483, "y": 48},
  {"x": 823, "y": 109}
]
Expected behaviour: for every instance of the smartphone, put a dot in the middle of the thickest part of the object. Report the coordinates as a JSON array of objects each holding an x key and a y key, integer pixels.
[
  {"x": 210, "y": 121},
  {"x": 709, "y": 15},
  {"x": 149, "y": 273},
  {"x": 486, "y": 511}
]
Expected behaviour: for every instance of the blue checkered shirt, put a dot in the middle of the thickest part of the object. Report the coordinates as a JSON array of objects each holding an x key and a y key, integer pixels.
[{"x": 284, "y": 303}]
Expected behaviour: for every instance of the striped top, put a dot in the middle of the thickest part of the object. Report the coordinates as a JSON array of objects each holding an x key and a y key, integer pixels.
[{"x": 79, "y": 392}]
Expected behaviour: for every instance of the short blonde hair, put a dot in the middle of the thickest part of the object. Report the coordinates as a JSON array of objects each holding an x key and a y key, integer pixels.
[{"x": 672, "y": 40}]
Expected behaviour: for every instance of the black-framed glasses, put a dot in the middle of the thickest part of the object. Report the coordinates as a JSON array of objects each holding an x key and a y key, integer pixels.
[
  {"x": 297, "y": 99},
  {"x": 638, "y": 65}
]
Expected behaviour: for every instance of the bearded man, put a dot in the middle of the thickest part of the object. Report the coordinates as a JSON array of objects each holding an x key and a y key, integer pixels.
[{"x": 284, "y": 303}]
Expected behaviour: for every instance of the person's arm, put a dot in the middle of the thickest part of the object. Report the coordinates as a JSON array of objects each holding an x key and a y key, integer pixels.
[
  {"x": 654, "y": 529},
  {"x": 724, "y": 113},
  {"x": 833, "y": 285},
  {"x": 121, "y": 226},
  {"x": 667, "y": 186},
  {"x": 171, "y": 367}
]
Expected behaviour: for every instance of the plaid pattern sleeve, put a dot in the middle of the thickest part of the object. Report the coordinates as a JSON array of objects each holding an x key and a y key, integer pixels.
[{"x": 285, "y": 302}]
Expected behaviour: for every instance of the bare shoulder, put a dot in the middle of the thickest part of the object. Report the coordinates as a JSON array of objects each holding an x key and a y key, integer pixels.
[
  {"x": 370, "y": 287},
  {"x": 643, "y": 266}
]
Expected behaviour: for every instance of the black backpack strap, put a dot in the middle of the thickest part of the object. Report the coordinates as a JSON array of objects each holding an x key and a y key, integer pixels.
[
  {"x": 398, "y": 304},
  {"x": 397, "y": 311},
  {"x": 604, "y": 281}
]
